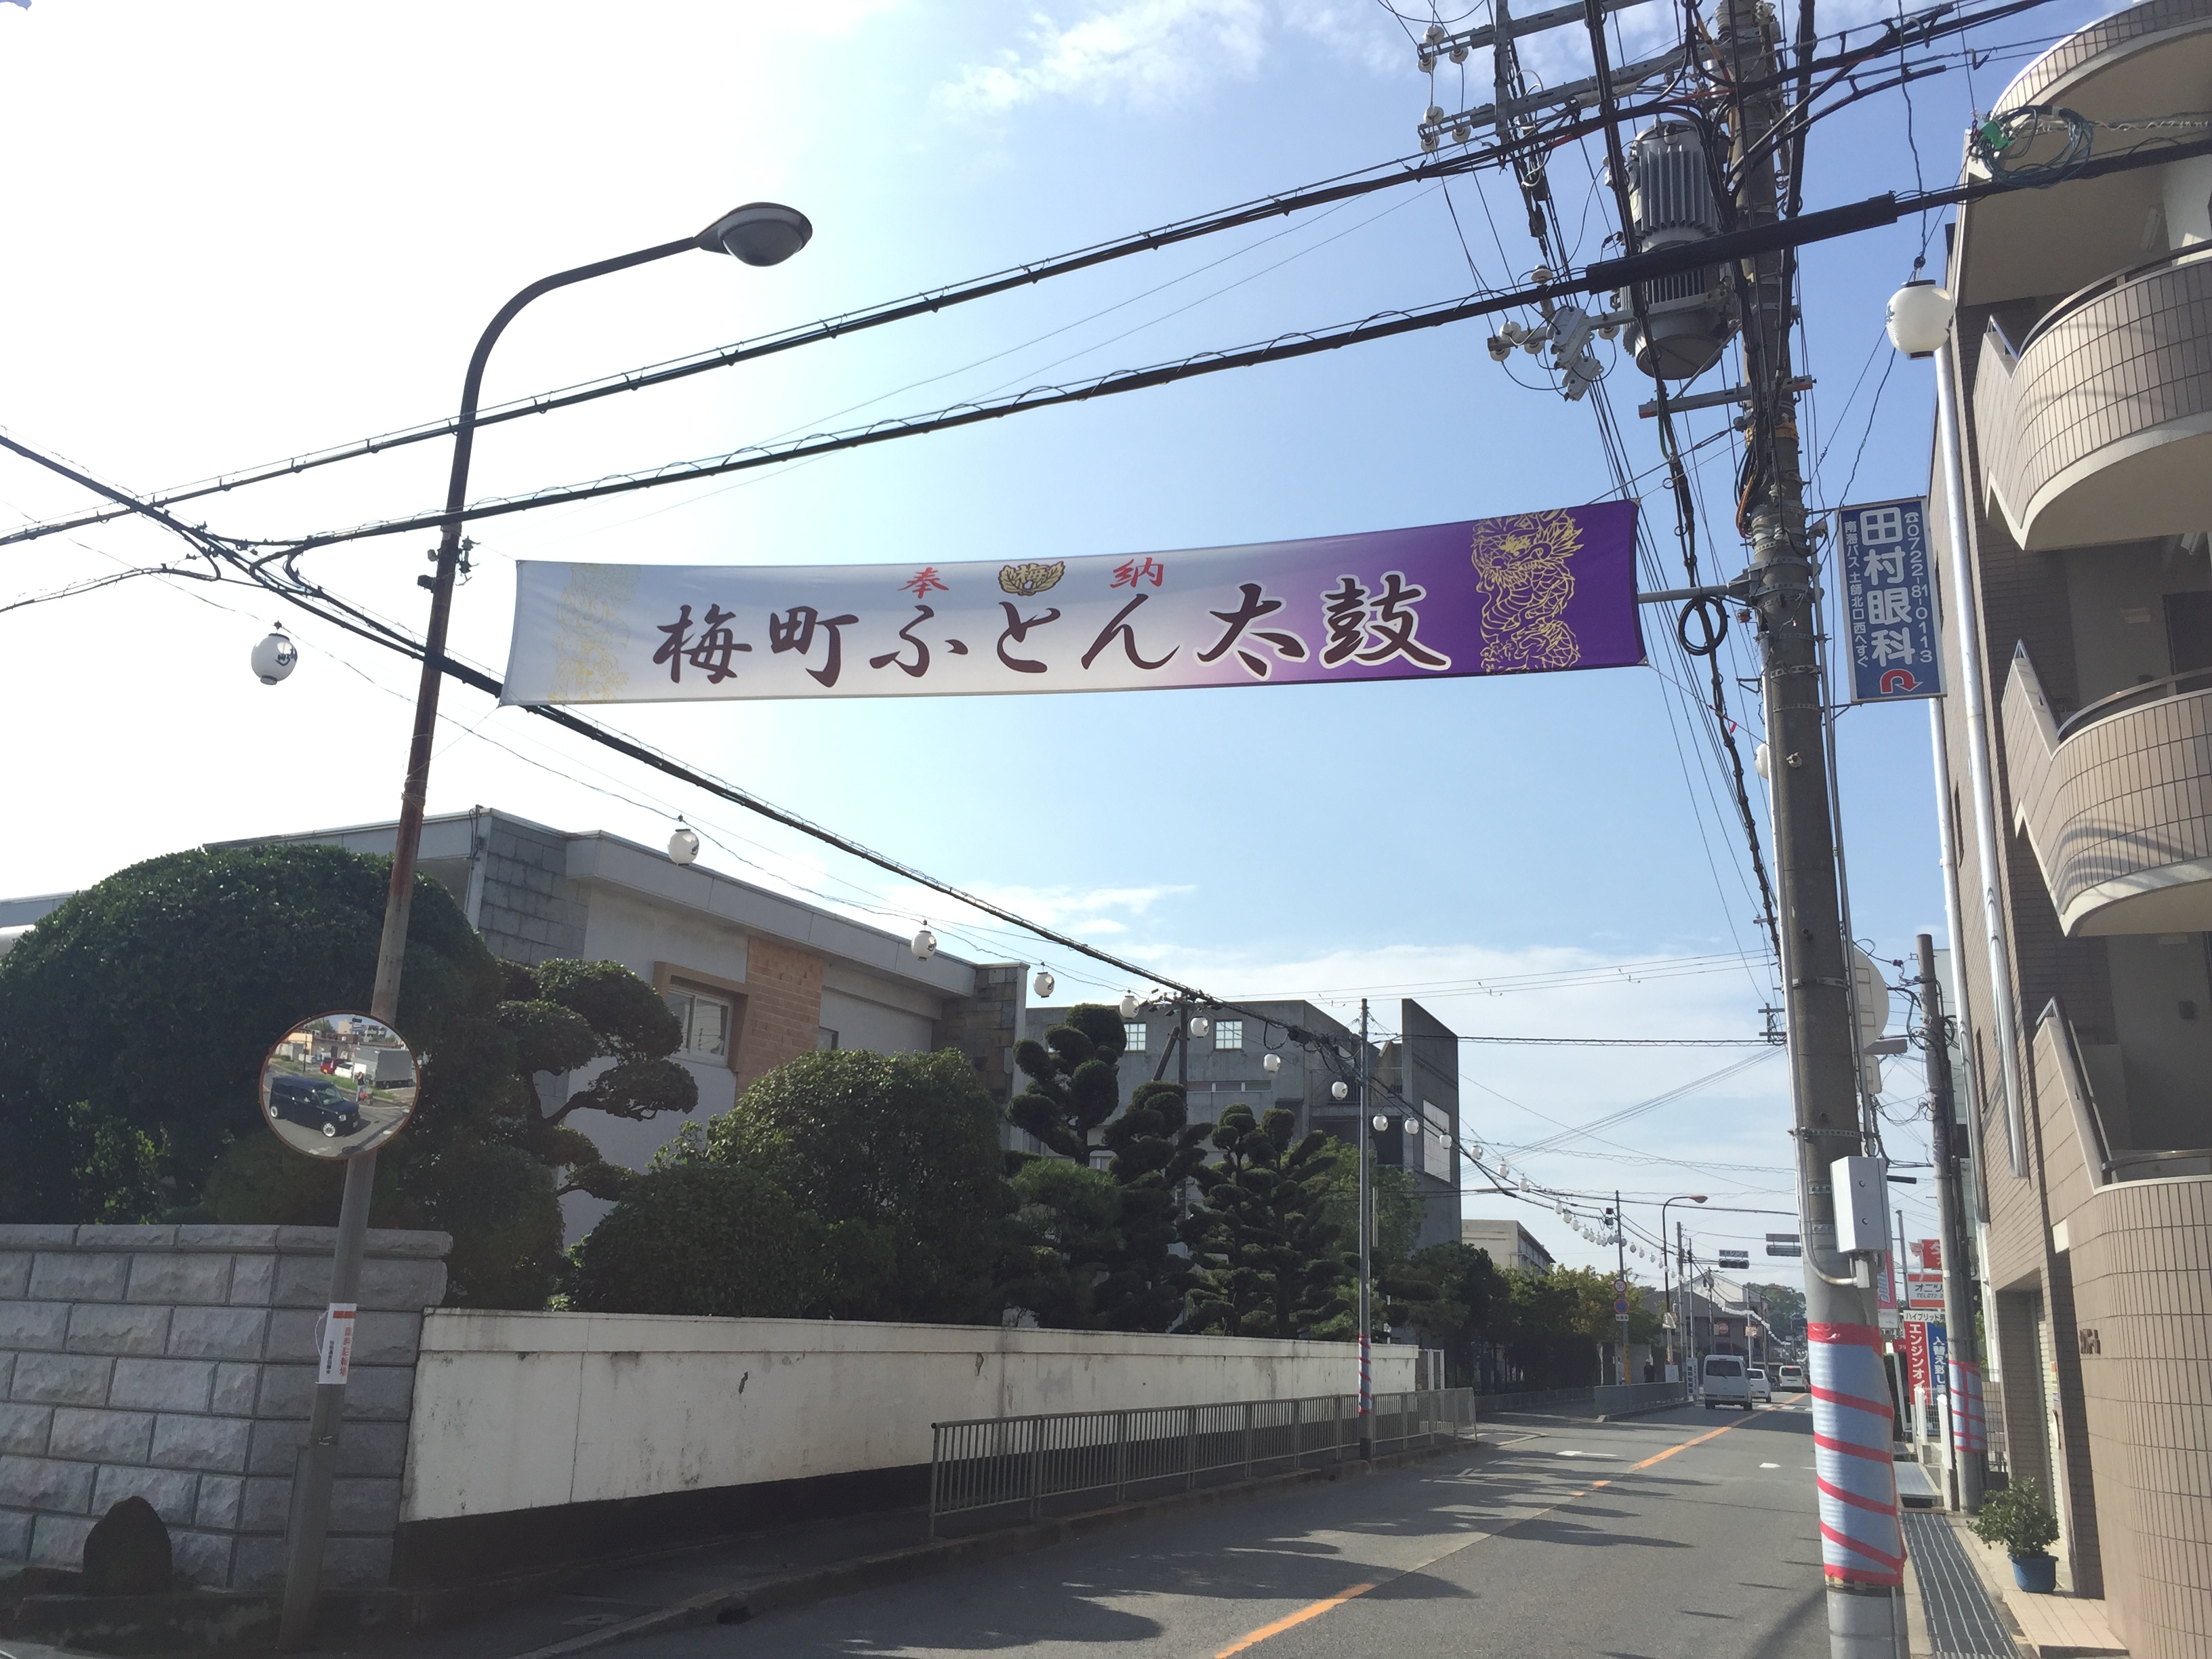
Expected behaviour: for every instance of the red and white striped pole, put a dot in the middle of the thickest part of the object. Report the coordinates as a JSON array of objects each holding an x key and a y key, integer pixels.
[
  {"x": 1862, "y": 1543},
  {"x": 1969, "y": 1438}
]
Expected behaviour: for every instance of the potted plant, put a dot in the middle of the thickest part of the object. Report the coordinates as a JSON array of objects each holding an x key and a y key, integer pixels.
[{"x": 2016, "y": 1521}]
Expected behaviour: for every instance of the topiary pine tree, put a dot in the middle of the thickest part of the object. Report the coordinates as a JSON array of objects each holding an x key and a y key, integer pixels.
[
  {"x": 1267, "y": 1257},
  {"x": 1075, "y": 1080},
  {"x": 1156, "y": 1149}
]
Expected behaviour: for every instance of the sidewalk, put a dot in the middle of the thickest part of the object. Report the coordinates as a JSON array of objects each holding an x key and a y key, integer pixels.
[{"x": 1971, "y": 1609}]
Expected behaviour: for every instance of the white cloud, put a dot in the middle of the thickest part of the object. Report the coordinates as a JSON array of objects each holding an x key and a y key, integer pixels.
[{"x": 1145, "y": 51}]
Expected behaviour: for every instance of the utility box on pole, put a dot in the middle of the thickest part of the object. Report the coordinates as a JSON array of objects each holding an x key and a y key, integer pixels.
[{"x": 1861, "y": 1206}]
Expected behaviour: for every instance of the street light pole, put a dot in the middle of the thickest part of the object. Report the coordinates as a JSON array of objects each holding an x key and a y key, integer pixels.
[
  {"x": 1366, "y": 1231},
  {"x": 758, "y": 234}
]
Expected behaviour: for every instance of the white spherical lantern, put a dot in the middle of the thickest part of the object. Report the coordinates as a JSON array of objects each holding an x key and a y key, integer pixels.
[
  {"x": 1271, "y": 1064},
  {"x": 275, "y": 657},
  {"x": 1045, "y": 981},
  {"x": 1340, "y": 1090},
  {"x": 1128, "y": 1005},
  {"x": 1380, "y": 1121},
  {"x": 923, "y": 944},
  {"x": 683, "y": 844},
  {"x": 1200, "y": 1025},
  {"x": 1920, "y": 318},
  {"x": 1412, "y": 1127}
]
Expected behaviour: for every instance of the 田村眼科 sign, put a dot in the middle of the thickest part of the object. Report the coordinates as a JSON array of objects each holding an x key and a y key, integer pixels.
[
  {"x": 1534, "y": 592},
  {"x": 1889, "y": 602}
]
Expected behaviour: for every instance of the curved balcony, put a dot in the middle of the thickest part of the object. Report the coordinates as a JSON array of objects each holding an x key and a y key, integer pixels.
[
  {"x": 2126, "y": 31},
  {"x": 2117, "y": 802},
  {"x": 2098, "y": 427}
]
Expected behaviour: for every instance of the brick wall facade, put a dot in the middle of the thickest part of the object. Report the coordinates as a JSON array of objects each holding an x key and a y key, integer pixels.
[
  {"x": 783, "y": 1007},
  {"x": 2141, "y": 1260},
  {"x": 177, "y": 1364}
]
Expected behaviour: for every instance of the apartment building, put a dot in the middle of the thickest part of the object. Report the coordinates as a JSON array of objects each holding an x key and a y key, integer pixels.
[
  {"x": 1510, "y": 1244},
  {"x": 2081, "y": 351},
  {"x": 1228, "y": 1066}
]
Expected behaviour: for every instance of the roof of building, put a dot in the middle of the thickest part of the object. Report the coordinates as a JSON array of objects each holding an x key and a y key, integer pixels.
[{"x": 596, "y": 858}]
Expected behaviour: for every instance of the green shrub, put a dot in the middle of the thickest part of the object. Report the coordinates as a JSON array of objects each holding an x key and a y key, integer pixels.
[
  {"x": 898, "y": 1155},
  {"x": 700, "y": 1237},
  {"x": 2016, "y": 1520}
]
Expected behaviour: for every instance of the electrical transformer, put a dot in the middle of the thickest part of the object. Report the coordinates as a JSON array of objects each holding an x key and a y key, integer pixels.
[{"x": 1670, "y": 193}]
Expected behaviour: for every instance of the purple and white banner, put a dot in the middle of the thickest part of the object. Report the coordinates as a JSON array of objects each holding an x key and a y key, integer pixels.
[{"x": 1530, "y": 593}]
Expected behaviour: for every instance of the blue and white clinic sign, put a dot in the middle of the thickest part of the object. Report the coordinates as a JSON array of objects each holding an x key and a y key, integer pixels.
[{"x": 1889, "y": 602}]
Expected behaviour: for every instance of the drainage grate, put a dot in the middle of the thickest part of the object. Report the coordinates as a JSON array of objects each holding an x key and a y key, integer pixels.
[{"x": 1961, "y": 1624}]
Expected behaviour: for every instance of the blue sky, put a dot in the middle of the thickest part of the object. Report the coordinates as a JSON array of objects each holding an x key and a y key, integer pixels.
[{"x": 258, "y": 231}]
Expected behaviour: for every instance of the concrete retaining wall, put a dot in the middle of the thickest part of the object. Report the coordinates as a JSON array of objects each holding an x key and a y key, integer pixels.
[
  {"x": 519, "y": 1411},
  {"x": 539, "y": 1438},
  {"x": 177, "y": 1364}
]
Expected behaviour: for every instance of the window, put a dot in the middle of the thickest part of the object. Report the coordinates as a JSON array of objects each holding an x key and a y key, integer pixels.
[
  {"x": 1229, "y": 1033},
  {"x": 706, "y": 1020},
  {"x": 1133, "y": 1037},
  {"x": 824, "y": 1038}
]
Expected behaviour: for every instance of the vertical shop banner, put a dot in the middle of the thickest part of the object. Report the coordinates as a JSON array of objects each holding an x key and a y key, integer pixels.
[
  {"x": 1889, "y": 602},
  {"x": 1535, "y": 593},
  {"x": 1915, "y": 1357}
]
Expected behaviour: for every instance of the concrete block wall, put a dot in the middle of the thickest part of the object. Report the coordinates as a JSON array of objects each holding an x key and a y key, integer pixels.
[
  {"x": 985, "y": 1027},
  {"x": 529, "y": 911},
  {"x": 177, "y": 1364}
]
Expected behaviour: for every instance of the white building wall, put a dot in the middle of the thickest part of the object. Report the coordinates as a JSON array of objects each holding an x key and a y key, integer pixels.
[
  {"x": 520, "y": 1411},
  {"x": 864, "y": 1022}
]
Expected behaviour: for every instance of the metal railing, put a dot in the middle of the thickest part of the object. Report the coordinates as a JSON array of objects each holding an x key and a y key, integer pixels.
[{"x": 1009, "y": 1469}]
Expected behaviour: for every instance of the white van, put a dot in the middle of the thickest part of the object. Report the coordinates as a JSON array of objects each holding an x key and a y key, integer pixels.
[{"x": 1725, "y": 1382}]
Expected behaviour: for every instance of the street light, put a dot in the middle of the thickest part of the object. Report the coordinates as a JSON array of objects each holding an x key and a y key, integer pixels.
[{"x": 757, "y": 233}]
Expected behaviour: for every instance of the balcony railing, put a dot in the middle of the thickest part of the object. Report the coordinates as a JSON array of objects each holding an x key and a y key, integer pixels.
[
  {"x": 2097, "y": 428},
  {"x": 2117, "y": 802}
]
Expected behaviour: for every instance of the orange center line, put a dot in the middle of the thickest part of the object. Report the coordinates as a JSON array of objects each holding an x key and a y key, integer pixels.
[
  {"x": 1314, "y": 1610},
  {"x": 1296, "y": 1619}
]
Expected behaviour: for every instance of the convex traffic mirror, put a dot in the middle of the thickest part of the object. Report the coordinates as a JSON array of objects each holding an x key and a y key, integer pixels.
[{"x": 338, "y": 1085}]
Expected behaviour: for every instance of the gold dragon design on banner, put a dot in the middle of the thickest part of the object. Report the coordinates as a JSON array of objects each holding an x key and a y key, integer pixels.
[{"x": 1521, "y": 571}]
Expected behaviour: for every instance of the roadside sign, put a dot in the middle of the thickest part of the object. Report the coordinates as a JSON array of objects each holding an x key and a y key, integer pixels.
[
  {"x": 1926, "y": 1290},
  {"x": 1782, "y": 1238},
  {"x": 1889, "y": 601},
  {"x": 1620, "y": 1307}
]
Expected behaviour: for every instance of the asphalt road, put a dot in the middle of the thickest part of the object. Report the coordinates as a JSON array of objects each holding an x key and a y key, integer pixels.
[{"x": 1691, "y": 1534}]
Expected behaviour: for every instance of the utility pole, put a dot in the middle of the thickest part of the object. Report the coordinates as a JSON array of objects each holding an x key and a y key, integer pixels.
[
  {"x": 1366, "y": 1232},
  {"x": 1963, "y": 1349},
  {"x": 1863, "y": 1547},
  {"x": 1621, "y": 1277}
]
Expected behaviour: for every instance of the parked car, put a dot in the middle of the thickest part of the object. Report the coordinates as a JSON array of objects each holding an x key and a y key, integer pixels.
[
  {"x": 314, "y": 1102},
  {"x": 1724, "y": 1382},
  {"x": 1761, "y": 1389},
  {"x": 1789, "y": 1378}
]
